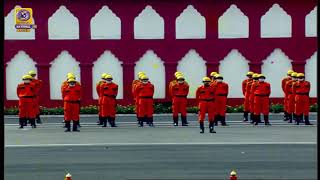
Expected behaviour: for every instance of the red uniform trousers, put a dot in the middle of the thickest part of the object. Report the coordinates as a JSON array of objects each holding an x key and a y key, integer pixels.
[
  {"x": 261, "y": 105},
  {"x": 71, "y": 110},
  {"x": 290, "y": 103},
  {"x": 301, "y": 105},
  {"x": 221, "y": 105},
  {"x": 145, "y": 107},
  {"x": 206, "y": 107},
  {"x": 26, "y": 108},
  {"x": 108, "y": 107},
  {"x": 179, "y": 105}
]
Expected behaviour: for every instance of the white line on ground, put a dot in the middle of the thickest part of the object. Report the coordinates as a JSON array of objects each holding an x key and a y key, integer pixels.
[{"x": 158, "y": 144}]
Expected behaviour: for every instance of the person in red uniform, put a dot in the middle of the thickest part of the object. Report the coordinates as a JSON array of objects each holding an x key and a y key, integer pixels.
[
  {"x": 102, "y": 81},
  {"x": 261, "y": 100},
  {"x": 71, "y": 97},
  {"x": 301, "y": 89},
  {"x": 144, "y": 92},
  {"x": 222, "y": 91},
  {"x": 205, "y": 95},
  {"x": 246, "y": 94},
  {"x": 179, "y": 92},
  {"x": 108, "y": 93},
  {"x": 174, "y": 81},
  {"x": 26, "y": 92},
  {"x": 134, "y": 84},
  {"x": 283, "y": 84},
  {"x": 290, "y": 102},
  {"x": 251, "y": 88},
  {"x": 213, "y": 79},
  {"x": 38, "y": 85}
]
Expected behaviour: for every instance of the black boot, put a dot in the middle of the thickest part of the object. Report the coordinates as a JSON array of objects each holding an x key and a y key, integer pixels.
[
  {"x": 109, "y": 120},
  {"x": 75, "y": 126},
  {"x": 184, "y": 120},
  {"x": 306, "y": 120},
  {"x": 294, "y": 117},
  {"x": 298, "y": 119},
  {"x": 33, "y": 123},
  {"x": 211, "y": 127},
  {"x": 216, "y": 120},
  {"x": 21, "y": 122},
  {"x": 141, "y": 119},
  {"x": 100, "y": 121},
  {"x": 113, "y": 122},
  {"x": 68, "y": 126},
  {"x": 175, "y": 120},
  {"x": 251, "y": 118},
  {"x": 223, "y": 121},
  {"x": 257, "y": 119},
  {"x": 201, "y": 127},
  {"x": 290, "y": 117},
  {"x": 150, "y": 120},
  {"x": 245, "y": 116},
  {"x": 104, "y": 121},
  {"x": 266, "y": 120}
]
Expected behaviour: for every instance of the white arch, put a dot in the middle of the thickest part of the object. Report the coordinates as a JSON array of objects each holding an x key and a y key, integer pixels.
[
  {"x": 194, "y": 69},
  {"x": 275, "y": 68},
  {"x": 10, "y": 31},
  {"x": 63, "y": 25},
  {"x": 148, "y": 25},
  {"x": 190, "y": 24},
  {"x": 153, "y": 66},
  {"x": 60, "y": 66},
  {"x": 311, "y": 23},
  {"x": 105, "y": 25},
  {"x": 18, "y": 66},
  {"x": 234, "y": 68},
  {"x": 276, "y": 23},
  {"x": 108, "y": 63},
  {"x": 233, "y": 24},
  {"x": 311, "y": 74}
]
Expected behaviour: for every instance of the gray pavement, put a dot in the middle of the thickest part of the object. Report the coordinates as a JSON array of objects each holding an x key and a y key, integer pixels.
[{"x": 282, "y": 151}]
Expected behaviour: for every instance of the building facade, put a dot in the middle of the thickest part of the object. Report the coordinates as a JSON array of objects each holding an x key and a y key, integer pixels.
[{"x": 123, "y": 37}]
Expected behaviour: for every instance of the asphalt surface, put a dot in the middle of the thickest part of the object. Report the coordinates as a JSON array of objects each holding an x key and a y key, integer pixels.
[{"x": 282, "y": 151}]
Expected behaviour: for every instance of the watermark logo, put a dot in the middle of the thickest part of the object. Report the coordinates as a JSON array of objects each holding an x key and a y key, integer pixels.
[{"x": 23, "y": 19}]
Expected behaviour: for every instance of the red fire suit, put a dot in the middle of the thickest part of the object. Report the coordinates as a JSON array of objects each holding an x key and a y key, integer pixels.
[
  {"x": 254, "y": 86},
  {"x": 100, "y": 98},
  {"x": 290, "y": 96},
  {"x": 145, "y": 92},
  {"x": 135, "y": 83},
  {"x": 301, "y": 90},
  {"x": 261, "y": 98},
  {"x": 283, "y": 85},
  {"x": 246, "y": 92},
  {"x": 37, "y": 84},
  {"x": 205, "y": 95},
  {"x": 179, "y": 94},
  {"x": 71, "y": 96},
  {"x": 26, "y": 93},
  {"x": 222, "y": 90},
  {"x": 108, "y": 94}
]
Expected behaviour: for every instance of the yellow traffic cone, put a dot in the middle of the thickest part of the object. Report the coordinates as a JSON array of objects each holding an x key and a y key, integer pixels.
[
  {"x": 233, "y": 175},
  {"x": 68, "y": 177}
]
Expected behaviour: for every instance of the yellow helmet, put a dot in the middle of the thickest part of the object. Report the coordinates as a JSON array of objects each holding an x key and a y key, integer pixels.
[
  {"x": 255, "y": 75},
  {"x": 261, "y": 76},
  {"x": 103, "y": 75},
  {"x": 32, "y": 72},
  {"x": 25, "y": 77},
  {"x": 144, "y": 77},
  {"x": 250, "y": 73},
  {"x": 139, "y": 76},
  {"x": 71, "y": 80},
  {"x": 108, "y": 76},
  {"x": 300, "y": 75},
  {"x": 218, "y": 76},
  {"x": 294, "y": 74},
  {"x": 212, "y": 74},
  {"x": 233, "y": 173},
  {"x": 176, "y": 74},
  {"x": 180, "y": 78},
  {"x": 206, "y": 79},
  {"x": 290, "y": 72},
  {"x": 139, "y": 73},
  {"x": 70, "y": 75}
]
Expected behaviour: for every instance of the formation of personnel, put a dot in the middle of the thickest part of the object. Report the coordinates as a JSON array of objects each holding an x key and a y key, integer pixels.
[{"x": 211, "y": 98}]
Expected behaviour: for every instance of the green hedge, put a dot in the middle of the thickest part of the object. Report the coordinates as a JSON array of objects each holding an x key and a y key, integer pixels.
[{"x": 158, "y": 109}]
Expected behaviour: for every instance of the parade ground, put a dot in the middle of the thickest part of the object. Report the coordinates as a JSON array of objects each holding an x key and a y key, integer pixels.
[{"x": 280, "y": 151}]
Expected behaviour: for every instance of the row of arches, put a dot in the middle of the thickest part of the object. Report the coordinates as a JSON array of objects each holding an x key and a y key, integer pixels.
[
  {"x": 233, "y": 67},
  {"x": 149, "y": 24}
]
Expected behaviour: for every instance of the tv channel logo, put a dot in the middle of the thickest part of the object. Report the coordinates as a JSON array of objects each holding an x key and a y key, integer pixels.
[{"x": 23, "y": 19}]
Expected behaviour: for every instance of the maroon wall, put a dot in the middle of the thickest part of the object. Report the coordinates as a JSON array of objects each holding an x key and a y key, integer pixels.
[{"x": 42, "y": 50}]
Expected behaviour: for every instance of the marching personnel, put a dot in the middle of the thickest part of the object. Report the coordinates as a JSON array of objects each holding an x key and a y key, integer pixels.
[
  {"x": 251, "y": 89},
  {"x": 301, "y": 89},
  {"x": 174, "y": 81},
  {"x": 65, "y": 85},
  {"x": 71, "y": 96},
  {"x": 222, "y": 90},
  {"x": 102, "y": 81},
  {"x": 246, "y": 84},
  {"x": 179, "y": 92},
  {"x": 134, "y": 84},
  {"x": 261, "y": 100},
  {"x": 205, "y": 95},
  {"x": 144, "y": 92},
  {"x": 108, "y": 93},
  {"x": 290, "y": 102},
  {"x": 283, "y": 84},
  {"x": 26, "y": 92},
  {"x": 38, "y": 85}
]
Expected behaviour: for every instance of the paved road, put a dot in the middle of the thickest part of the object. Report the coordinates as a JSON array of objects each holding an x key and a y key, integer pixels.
[{"x": 282, "y": 151}]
